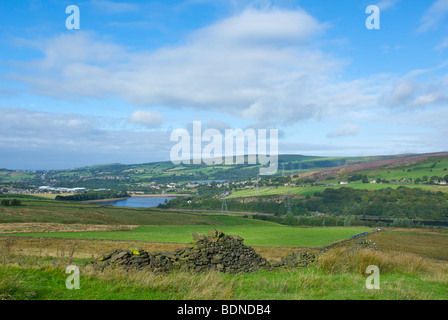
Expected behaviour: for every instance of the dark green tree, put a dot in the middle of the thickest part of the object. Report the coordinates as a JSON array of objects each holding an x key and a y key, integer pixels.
[{"x": 15, "y": 202}]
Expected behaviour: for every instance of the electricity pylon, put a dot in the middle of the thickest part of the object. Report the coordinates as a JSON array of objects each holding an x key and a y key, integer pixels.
[
  {"x": 257, "y": 190},
  {"x": 224, "y": 208},
  {"x": 288, "y": 204},
  {"x": 223, "y": 200}
]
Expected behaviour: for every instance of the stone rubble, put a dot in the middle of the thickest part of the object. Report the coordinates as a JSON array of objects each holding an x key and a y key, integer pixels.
[{"x": 216, "y": 251}]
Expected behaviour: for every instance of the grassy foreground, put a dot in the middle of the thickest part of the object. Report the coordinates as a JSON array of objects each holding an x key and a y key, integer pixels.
[{"x": 340, "y": 273}]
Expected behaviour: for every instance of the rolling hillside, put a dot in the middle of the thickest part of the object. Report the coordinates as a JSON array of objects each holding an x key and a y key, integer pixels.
[
  {"x": 410, "y": 166},
  {"x": 129, "y": 176}
]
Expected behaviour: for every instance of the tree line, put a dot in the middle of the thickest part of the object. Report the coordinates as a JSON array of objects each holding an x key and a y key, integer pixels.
[
  {"x": 13, "y": 202},
  {"x": 400, "y": 203},
  {"x": 94, "y": 195}
]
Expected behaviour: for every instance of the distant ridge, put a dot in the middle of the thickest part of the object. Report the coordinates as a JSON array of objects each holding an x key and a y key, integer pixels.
[
  {"x": 399, "y": 161},
  {"x": 122, "y": 176}
]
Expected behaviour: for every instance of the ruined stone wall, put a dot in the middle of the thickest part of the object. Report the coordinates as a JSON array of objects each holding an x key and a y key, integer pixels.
[{"x": 216, "y": 251}]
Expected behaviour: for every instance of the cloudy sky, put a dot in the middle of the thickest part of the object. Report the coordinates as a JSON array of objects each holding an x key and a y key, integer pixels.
[{"x": 114, "y": 89}]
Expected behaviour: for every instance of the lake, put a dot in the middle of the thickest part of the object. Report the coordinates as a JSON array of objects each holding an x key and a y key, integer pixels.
[{"x": 139, "y": 202}]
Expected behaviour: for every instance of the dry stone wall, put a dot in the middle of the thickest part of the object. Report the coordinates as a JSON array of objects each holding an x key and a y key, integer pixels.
[{"x": 215, "y": 251}]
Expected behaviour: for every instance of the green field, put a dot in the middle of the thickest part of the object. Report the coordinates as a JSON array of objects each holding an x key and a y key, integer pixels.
[
  {"x": 166, "y": 226},
  {"x": 72, "y": 212},
  {"x": 261, "y": 235}
]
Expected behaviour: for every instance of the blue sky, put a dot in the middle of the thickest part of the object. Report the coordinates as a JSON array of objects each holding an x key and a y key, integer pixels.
[{"x": 113, "y": 90}]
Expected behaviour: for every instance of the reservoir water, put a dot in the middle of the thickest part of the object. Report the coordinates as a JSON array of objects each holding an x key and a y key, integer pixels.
[{"x": 139, "y": 202}]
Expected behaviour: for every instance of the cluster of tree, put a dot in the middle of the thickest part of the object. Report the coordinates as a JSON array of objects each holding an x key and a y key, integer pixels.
[
  {"x": 424, "y": 180},
  {"x": 322, "y": 221},
  {"x": 13, "y": 202},
  {"x": 430, "y": 180},
  {"x": 393, "y": 203},
  {"x": 276, "y": 181},
  {"x": 94, "y": 195},
  {"x": 14, "y": 185},
  {"x": 304, "y": 181},
  {"x": 328, "y": 221},
  {"x": 205, "y": 203},
  {"x": 365, "y": 179},
  {"x": 359, "y": 176},
  {"x": 400, "y": 203}
]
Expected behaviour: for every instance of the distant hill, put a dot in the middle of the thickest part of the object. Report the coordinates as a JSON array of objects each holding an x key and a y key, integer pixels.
[
  {"x": 128, "y": 176},
  {"x": 430, "y": 164}
]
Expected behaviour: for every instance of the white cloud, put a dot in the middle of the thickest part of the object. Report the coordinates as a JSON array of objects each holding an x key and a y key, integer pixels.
[
  {"x": 245, "y": 60},
  {"x": 218, "y": 125},
  {"x": 147, "y": 118},
  {"x": 263, "y": 66},
  {"x": 402, "y": 92},
  {"x": 430, "y": 98},
  {"x": 387, "y": 4},
  {"x": 43, "y": 140},
  {"x": 443, "y": 44},
  {"x": 346, "y": 130},
  {"x": 417, "y": 89},
  {"x": 434, "y": 15},
  {"x": 262, "y": 27}
]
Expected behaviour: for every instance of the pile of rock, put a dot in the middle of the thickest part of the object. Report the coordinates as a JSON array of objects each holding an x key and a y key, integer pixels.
[
  {"x": 296, "y": 260},
  {"x": 222, "y": 252},
  {"x": 217, "y": 251},
  {"x": 364, "y": 243}
]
